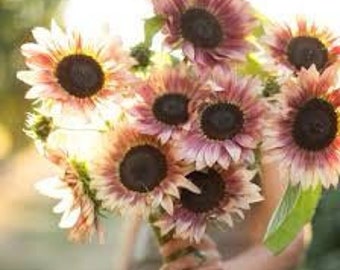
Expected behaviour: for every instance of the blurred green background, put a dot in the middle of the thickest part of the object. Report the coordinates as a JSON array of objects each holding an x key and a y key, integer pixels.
[{"x": 29, "y": 237}]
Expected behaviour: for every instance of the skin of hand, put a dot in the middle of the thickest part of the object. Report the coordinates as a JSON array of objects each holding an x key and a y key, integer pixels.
[{"x": 257, "y": 257}]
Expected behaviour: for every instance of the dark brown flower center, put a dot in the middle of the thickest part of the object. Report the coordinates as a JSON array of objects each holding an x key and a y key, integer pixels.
[
  {"x": 80, "y": 75},
  {"x": 315, "y": 125},
  {"x": 143, "y": 168},
  {"x": 201, "y": 28},
  {"x": 171, "y": 109},
  {"x": 306, "y": 51},
  {"x": 212, "y": 193},
  {"x": 221, "y": 121}
]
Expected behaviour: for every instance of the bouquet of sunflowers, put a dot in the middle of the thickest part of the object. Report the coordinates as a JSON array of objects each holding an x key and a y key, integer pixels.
[{"x": 178, "y": 136}]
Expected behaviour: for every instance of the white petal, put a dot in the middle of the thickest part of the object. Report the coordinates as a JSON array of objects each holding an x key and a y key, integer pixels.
[
  {"x": 68, "y": 220},
  {"x": 52, "y": 187}
]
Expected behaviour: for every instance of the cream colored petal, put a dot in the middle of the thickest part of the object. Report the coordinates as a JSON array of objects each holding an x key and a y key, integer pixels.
[
  {"x": 68, "y": 220},
  {"x": 168, "y": 205},
  {"x": 43, "y": 37},
  {"x": 185, "y": 183},
  {"x": 52, "y": 187},
  {"x": 63, "y": 205}
]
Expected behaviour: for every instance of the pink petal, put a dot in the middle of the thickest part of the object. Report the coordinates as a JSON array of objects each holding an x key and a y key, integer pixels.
[
  {"x": 35, "y": 77},
  {"x": 233, "y": 150}
]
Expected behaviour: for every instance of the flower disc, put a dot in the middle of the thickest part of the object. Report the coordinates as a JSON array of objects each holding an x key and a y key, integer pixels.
[
  {"x": 80, "y": 75},
  {"x": 201, "y": 28},
  {"x": 212, "y": 187},
  {"x": 171, "y": 109},
  {"x": 143, "y": 168},
  {"x": 315, "y": 125},
  {"x": 306, "y": 51},
  {"x": 221, "y": 121}
]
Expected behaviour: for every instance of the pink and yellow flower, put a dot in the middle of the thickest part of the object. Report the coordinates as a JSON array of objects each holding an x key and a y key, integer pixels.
[
  {"x": 137, "y": 173},
  {"x": 228, "y": 124},
  {"x": 224, "y": 193},
  {"x": 167, "y": 102},
  {"x": 211, "y": 32},
  {"x": 80, "y": 75},
  {"x": 303, "y": 133},
  {"x": 293, "y": 48},
  {"x": 79, "y": 208}
]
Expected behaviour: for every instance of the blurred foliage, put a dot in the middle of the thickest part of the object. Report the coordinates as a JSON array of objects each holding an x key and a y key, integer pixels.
[
  {"x": 324, "y": 252},
  {"x": 17, "y": 18}
]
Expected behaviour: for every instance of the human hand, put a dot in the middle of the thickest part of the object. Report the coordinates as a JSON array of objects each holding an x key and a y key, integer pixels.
[{"x": 182, "y": 255}]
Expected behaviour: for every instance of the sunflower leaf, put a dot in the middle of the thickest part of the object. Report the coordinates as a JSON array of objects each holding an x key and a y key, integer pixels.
[
  {"x": 253, "y": 67},
  {"x": 151, "y": 27},
  {"x": 296, "y": 209}
]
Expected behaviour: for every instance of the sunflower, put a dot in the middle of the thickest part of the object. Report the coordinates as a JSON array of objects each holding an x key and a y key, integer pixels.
[
  {"x": 211, "y": 32},
  {"x": 303, "y": 133},
  {"x": 223, "y": 194},
  {"x": 78, "y": 74},
  {"x": 228, "y": 125},
  {"x": 167, "y": 102},
  {"x": 80, "y": 210},
  {"x": 136, "y": 172},
  {"x": 293, "y": 48}
]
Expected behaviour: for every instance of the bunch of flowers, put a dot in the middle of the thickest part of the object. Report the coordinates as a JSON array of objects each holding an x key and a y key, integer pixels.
[{"x": 180, "y": 143}]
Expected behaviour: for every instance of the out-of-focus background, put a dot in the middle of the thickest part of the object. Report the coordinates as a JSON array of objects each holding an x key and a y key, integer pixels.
[{"x": 29, "y": 236}]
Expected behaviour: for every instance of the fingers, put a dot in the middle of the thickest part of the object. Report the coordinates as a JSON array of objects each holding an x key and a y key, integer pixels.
[
  {"x": 176, "y": 244},
  {"x": 260, "y": 258},
  {"x": 183, "y": 255},
  {"x": 212, "y": 261}
]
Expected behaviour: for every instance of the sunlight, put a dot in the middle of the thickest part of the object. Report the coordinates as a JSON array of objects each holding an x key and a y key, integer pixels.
[
  {"x": 323, "y": 12},
  {"x": 123, "y": 18}
]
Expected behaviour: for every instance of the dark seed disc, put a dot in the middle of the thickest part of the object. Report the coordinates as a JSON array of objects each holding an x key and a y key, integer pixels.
[
  {"x": 201, "y": 28},
  {"x": 171, "y": 109},
  {"x": 80, "y": 75},
  {"x": 315, "y": 125},
  {"x": 306, "y": 51},
  {"x": 221, "y": 121},
  {"x": 212, "y": 189},
  {"x": 143, "y": 168}
]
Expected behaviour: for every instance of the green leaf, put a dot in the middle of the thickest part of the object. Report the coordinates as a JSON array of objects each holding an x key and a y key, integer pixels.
[
  {"x": 258, "y": 31},
  {"x": 253, "y": 67},
  {"x": 296, "y": 209},
  {"x": 151, "y": 27}
]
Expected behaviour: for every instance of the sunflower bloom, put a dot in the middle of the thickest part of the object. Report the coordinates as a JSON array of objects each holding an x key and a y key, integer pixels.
[
  {"x": 136, "y": 172},
  {"x": 228, "y": 125},
  {"x": 303, "y": 134},
  {"x": 78, "y": 206},
  {"x": 167, "y": 102},
  {"x": 78, "y": 74},
  {"x": 224, "y": 193},
  {"x": 210, "y": 32},
  {"x": 293, "y": 48}
]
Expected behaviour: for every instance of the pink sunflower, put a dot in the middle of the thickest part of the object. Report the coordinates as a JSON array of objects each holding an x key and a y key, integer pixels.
[
  {"x": 211, "y": 32},
  {"x": 79, "y": 75},
  {"x": 223, "y": 194},
  {"x": 136, "y": 172},
  {"x": 292, "y": 48},
  {"x": 168, "y": 102},
  {"x": 228, "y": 125},
  {"x": 303, "y": 134},
  {"x": 80, "y": 209}
]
